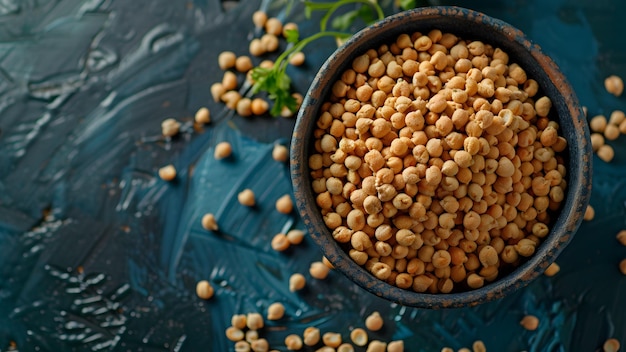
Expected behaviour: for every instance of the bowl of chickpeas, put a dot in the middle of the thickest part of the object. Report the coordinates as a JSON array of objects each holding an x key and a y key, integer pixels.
[{"x": 440, "y": 159}]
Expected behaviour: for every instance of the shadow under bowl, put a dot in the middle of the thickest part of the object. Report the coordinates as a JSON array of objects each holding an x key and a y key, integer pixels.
[{"x": 472, "y": 25}]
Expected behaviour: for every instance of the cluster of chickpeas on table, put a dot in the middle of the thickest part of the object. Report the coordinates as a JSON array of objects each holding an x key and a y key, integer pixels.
[{"x": 244, "y": 332}]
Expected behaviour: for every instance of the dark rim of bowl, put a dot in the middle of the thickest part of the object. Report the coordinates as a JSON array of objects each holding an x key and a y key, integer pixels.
[{"x": 467, "y": 24}]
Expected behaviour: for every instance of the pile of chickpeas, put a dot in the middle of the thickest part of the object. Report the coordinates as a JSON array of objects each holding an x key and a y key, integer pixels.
[{"x": 436, "y": 163}]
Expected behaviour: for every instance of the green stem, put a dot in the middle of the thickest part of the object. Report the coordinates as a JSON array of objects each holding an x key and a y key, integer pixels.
[
  {"x": 304, "y": 42},
  {"x": 338, "y": 4}
]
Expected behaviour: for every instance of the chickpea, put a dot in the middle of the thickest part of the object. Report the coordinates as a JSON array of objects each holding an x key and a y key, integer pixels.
[
  {"x": 209, "y": 223},
  {"x": 204, "y": 290},
  {"x": 280, "y": 243},
  {"x": 260, "y": 345},
  {"x": 284, "y": 204},
  {"x": 293, "y": 342},
  {"x": 332, "y": 339},
  {"x": 167, "y": 173},
  {"x": 530, "y": 322},
  {"x": 621, "y": 237},
  {"x": 611, "y": 345},
  {"x": 611, "y": 132},
  {"x": 254, "y": 321},
  {"x": 589, "y": 213},
  {"x": 475, "y": 281},
  {"x": 598, "y": 123},
  {"x": 614, "y": 85},
  {"x": 296, "y": 282},
  {"x": 552, "y": 270},
  {"x": 274, "y": 26},
  {"x": 622, "y": 266},
  {"x": 275, "y": 311},
  {"x": 319, "y": 270},
  {"x": 259, "y": 18},
  {"x": 311, "y": 336},
  {"x": 295, "y": 236},
  {"x": 259, "y": 106},
  {"x": 359, "y": 337},
  {"x": 479, "y": 346},
  {"x": 246, "y": 197},
  {"x": 606, "y": 153},
  {"x": 297, "y": 59},
  {"x": 234, "y": 334},
  {"x": 222, "y": 150},
  {"x": 395, "y": 346},
  {"x": 374, "y": 321}
]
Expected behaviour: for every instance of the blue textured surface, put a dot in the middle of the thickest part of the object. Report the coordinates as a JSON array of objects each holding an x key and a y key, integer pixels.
[{"x": 96, "y": 253}]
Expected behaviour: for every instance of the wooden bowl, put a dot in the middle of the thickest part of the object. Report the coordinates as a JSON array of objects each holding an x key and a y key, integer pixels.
[{"x": 471, "y": 25}]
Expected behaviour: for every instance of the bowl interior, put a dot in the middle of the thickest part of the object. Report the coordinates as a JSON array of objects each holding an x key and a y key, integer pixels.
[{"x": 471, "y": 25}]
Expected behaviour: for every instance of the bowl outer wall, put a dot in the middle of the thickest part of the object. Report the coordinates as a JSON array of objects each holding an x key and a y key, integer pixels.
[{"x": 472, "y": 25}]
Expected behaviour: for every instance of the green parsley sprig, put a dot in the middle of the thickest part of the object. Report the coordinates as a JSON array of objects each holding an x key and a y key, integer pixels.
[{"x": 275, "y": 81}]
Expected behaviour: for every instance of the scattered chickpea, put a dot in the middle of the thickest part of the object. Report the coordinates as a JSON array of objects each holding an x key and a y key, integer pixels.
[
  {"x": 614, "y": 85},
  {"x": 259, "y": 106},
  {"x": 244, "y": 107},
  {"x": 395, "y": 346},
  {"x": 275, "y": 311},
  {"x": 374, "y": 321},
  {"x": 590, "y": 213},
  {"x": 622, "y": 266},
  {"x": 345, "y": 347},
  {"x": 611, "y": 132},
  {"x": 226, "y": 60},
  {"x": 318, "y": 270},
  {"x": 598, "y": 123},
  {"x": 246, "y": 197},
  {"x": 447, "y": 349},
  {"x": 295, "y": 236},
  {"x": 204, "y": 290},
  {"x": 242, "y": 346},
  {"x": 296, "y": 282},
  {"x": 376, "y": 346},
  {"x": 606, "y": 153},
  {"x": 297, "y": 59},
  {"x": 280, "y": 242},
  {"x": 274, "y": 26},
  {"x": 331, "y": 339},
  {"x": 243, "y": 64},
  {"x": 170, "y": 127},
  {"x": 280, "y": 153},
  {"x": 256, "y": 47},
  {"x": 621, "y": 237},
  {"x": 311, "y": 336},
  {"x": 259, "y": 18},
  {"x": 209, "y": 223},
  {"x": 617, "y": 117},
  {"x": 254, "y": 321},
  {"x": 293, "y": 342},
  {"x": 167, "y": 173},
  {"x": 260, "y": 345},
  {"x": 479, "y": 346},
  {"x": 238, "y": 321},
  {"x": 284, "y": 204},
  {"x": 222, "y": 150},
  {"x": 290, "y": 26},
  {"x": 234, "y": 334},
  {"x": 359, "y": 337},
  {"x": 530, "y": 322},
  {"x": 203, "y": 116},
  {"x": 611, "y": 345},
  {"x": 552, "y": 270},
  {"x": 597, "y": 140},
  {"x": 217, "y": 91}
]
